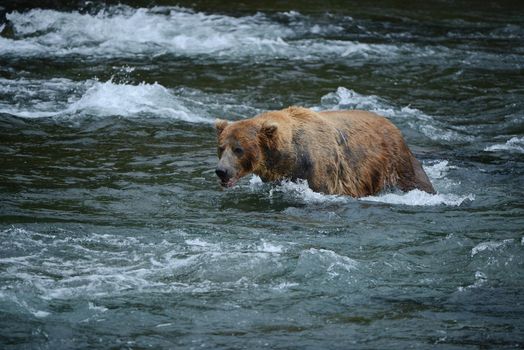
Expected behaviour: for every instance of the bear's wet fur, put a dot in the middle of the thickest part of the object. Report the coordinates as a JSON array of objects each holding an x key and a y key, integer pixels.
[{"x": 355, "y": 153}]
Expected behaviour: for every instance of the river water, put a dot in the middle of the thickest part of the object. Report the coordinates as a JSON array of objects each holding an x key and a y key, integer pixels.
[{"x": 116, "y": 234}]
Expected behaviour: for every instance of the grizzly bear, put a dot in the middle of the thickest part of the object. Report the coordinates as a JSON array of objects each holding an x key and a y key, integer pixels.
[{"x": 354, "y": 153}]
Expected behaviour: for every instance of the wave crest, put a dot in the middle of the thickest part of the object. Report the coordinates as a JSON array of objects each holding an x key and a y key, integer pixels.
[
  {"x": 122, "y": 31},
  {"x": 67, "y": 98},
  {"x": 515, "y": 144}
]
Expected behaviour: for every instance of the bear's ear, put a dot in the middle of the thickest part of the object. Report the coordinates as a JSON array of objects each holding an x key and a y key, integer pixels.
[
  {"x": 269, "y": 129},
  {"x": 220, "y": 125}
]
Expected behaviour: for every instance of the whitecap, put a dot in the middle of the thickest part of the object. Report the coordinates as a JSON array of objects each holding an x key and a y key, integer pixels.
[
  {"x": 161, "y": 325},
  {"x": 255, "y": 183},
  {"x": 490, "y": 246},
  {"x": 40, "y": 313},
  {"x": 480, "y": 280},
  {"x": 438, "y": 170},
  {"x": 67, "y": 98},
  {"x": 344, "y": 98},
  {"x": 108, "y": 98},
  {"x": 123, "y": 31},
  {"x": 300, "y": 190},
  {"x": 283, "y": 286},
  {"x": 268, "y": 247},
  {"x": 420, "y": 198},
  {"x": 515, "y": 144},
  {"x": 200, "y": 243},
  {"x": 94, "y": 307},
  {"x": 28, "y": 98},
  {"x": 440, "y": 133}
]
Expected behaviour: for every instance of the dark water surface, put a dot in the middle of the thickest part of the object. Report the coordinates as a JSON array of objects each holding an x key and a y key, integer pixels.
[{"x": 116, "y": 234}]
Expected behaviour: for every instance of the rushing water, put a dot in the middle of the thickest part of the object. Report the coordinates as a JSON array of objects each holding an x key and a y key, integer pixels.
[{"x": 116, "y": 234}]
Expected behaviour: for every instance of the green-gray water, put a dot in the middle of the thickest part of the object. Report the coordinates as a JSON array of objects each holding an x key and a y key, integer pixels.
[{"x": 116, "y": 234}]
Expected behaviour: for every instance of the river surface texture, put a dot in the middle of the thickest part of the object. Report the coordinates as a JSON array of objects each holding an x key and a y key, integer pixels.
[{"x": 115, "y": 233}]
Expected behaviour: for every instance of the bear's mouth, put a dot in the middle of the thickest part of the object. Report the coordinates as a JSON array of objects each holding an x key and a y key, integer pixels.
[{"x": 229, "y": 183}]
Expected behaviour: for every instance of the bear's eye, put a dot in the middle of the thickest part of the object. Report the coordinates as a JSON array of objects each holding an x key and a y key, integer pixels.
[
  {"x": 221, "y": 150},
  {"x": 238, "y": 151}
]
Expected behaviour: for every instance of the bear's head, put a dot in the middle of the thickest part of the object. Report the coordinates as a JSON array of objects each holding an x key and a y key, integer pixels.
[{"x": 243, "y": 148}]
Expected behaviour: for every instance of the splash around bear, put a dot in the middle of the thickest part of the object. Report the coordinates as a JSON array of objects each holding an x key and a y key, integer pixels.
[{"x": 355, "y": 153}]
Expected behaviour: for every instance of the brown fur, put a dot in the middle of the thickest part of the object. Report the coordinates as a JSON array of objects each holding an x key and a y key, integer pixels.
[{"x": 355, "y": 153}]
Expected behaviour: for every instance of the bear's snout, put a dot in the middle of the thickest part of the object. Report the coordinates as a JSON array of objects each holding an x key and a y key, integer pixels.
[
  {"x": 221, "y": 173},
  {"x": 227, "y": 176}
]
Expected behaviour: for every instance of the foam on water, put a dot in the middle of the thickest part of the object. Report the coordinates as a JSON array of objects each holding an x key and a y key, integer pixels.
[
  {"x": 438, "y": 170},
  {"x": 284, "y": 286},
  {"x": 37, "y": 98},
  {"x": 92, "y": 306},
  {"x": 345, "y": 98},
  {"x": 515, "y": 144},
  {"x": 269, "y": 247},
  {"x": 300, "y": 190},
  {"x": 122, "y": 31},
  {"x": 106, "y": 99},
  {"x": 66, "y": 266},
  {"x": 420, "y": 198},
  {"x": 437, "y": 173},
  {"x": 67, "y": 98},
  {"x": 480, "y": 280},
  {"x": 490, "y": 246},
  {"x": 199, "y": 243},
  {"x": 260, "y": 247}
]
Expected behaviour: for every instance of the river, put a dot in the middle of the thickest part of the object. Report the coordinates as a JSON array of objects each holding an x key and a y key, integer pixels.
[{"x": 115, "y": 231}]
